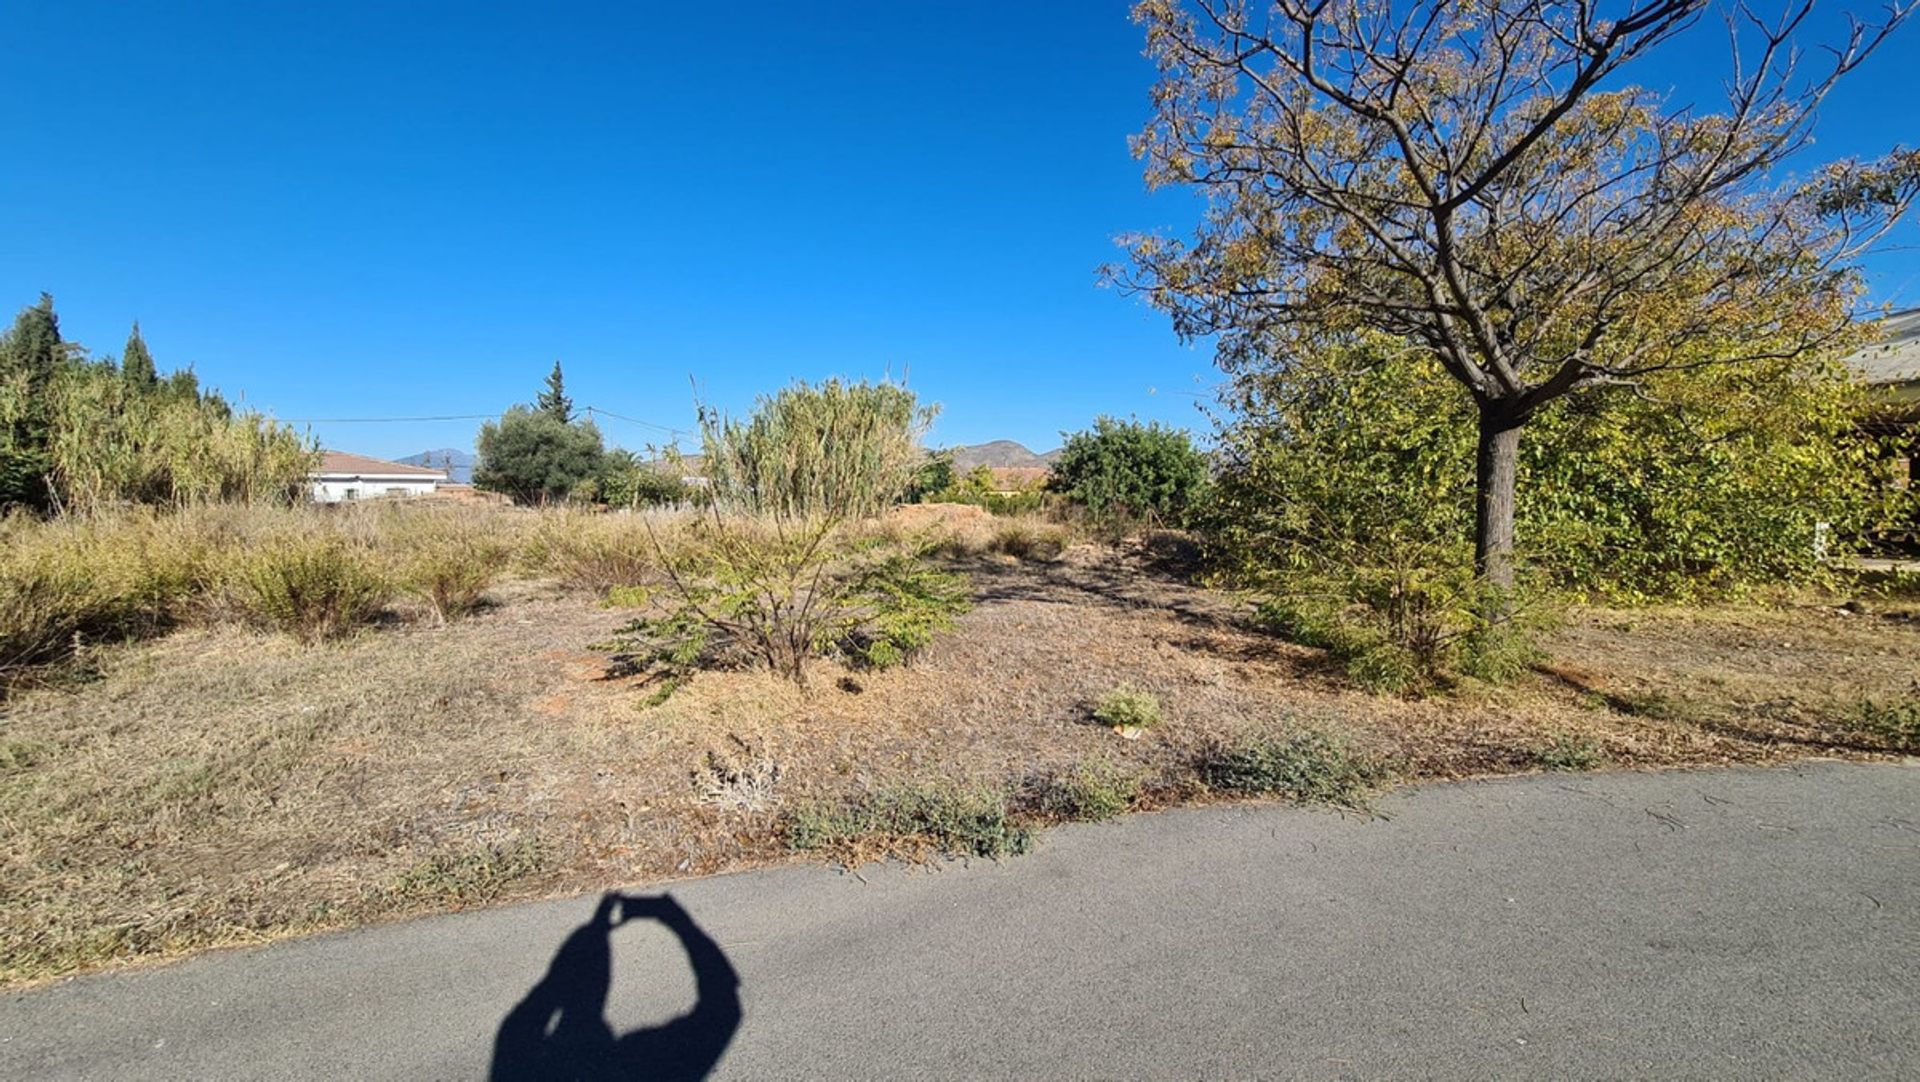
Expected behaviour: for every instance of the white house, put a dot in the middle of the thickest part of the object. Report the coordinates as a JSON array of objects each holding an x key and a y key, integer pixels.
[{"x": 342, "y": 477}]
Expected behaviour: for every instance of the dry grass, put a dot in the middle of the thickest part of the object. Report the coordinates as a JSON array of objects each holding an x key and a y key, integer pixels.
[{"x": 217, "y": 785}]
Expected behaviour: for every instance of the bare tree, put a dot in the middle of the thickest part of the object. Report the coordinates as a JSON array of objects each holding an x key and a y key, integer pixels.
[{"x": 1472, "y": 178}]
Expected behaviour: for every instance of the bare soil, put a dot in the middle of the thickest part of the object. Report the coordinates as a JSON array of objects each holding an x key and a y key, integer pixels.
[{"x": 219, "y": 786}]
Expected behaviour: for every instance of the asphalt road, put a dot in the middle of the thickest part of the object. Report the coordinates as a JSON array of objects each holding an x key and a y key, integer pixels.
[{"x": 1726, "y": 924}]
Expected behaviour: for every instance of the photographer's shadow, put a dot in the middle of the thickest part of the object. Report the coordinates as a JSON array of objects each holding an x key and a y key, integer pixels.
[{"x": 560, "y": 1031}]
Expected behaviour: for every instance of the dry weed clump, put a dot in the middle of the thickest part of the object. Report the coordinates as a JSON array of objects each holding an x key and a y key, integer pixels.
[{"x": 600, "y": 552}]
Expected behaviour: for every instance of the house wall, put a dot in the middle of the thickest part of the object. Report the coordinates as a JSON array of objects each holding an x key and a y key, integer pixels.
[{"x": 332, "y": 489}]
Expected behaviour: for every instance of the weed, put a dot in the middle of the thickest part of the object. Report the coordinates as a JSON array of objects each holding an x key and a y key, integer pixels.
[
  {"x": 451, "y": 567},
  {"x": 1570, "y": 751},
  {"x": 1127, "y": 708},
  {"x": 1094, "y": 790},
  {"x": 472, "y": 875},
  {"x": 911, "y": 821},
  {"x": 313, "y": 588},
  {"x": 1895, "y": 721},
  {"x": 778, "y": 594},
  {"x": 1027, "y": 539},
  {"x": 741, "y": 776},
  {"x": 1308, "y": 766}
]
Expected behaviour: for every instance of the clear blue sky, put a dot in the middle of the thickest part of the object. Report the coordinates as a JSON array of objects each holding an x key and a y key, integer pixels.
[{"x": 350, "y": 209}]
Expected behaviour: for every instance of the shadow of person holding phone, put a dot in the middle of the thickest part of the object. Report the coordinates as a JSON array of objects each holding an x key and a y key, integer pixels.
[{"x": 559, "y": 1030}]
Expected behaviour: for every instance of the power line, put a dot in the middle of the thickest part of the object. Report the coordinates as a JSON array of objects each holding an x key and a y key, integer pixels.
[
  {"x": 638, "y": 421},
  {"x": 383, "y": 420}
]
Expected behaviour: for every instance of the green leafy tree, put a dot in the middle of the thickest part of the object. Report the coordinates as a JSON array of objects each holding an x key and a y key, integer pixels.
[
  {"x": 535, "y": 458},
  {"x": 934, "y": 477},
  {"x": 1454, "y": 175},
  {"x": 136, "y": 364},
  {"x": 554, "y": 401},
  {"x": 1132, "y": 468}
]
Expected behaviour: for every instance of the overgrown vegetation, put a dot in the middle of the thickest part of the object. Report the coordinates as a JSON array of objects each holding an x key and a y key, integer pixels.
[
  {"x": 1132, "y": 470},
  {"x": 911, "y": 821},
  {"x": 311, "y": 587},
  {"x": 1092, "y": 790},
  {"x": 779, "y": 593},
  {"x": 1895, "y": 721},
  {"x": 838, "y": 450},
  {"x": 79, "y": 434},
  {"x": 1307, "y": 766}
]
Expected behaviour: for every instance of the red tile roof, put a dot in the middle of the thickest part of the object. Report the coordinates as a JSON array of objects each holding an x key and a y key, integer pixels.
[{"x": 340, "y": 462}]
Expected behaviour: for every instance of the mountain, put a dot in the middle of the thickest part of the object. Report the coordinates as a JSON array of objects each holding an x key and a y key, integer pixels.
[
  {"x": 999, "y": 453},
  {"x": 457, "y": 463}
]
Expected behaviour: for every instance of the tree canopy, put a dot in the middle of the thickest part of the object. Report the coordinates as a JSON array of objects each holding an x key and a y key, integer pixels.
[
  {"x": 553, "y": 401},
  {"x": 1477, "y": 182},
  {"x": 535, "y": 458}
]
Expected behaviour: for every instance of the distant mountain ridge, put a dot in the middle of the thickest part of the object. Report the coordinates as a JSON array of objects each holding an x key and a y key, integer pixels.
[
  {"x": 999, "y": 454},
  {"x": 457, "y": 463}
]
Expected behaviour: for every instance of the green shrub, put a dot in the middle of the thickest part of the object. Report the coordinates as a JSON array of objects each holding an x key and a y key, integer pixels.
[
  {"x": 312, "y": 587},
  {"x": 1094, "y": 790},
  {"x": 1710, "y": 483},
  {"x": 1127, "y": 707},
  {"x": 1145, "y": 471},
  {"x": 1894, "y": 721},
  {"x": 1404, "y": 621},
  {"x": 780, "y": 593},
  {"x": 1307, "y": 766},
  {"x": 912, "y": 820}
]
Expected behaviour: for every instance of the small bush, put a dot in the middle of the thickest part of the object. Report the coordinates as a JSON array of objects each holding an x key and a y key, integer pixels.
[
  {"x": 778, "y": 594},
  {"x": 1309, "y": 766},
  {"x": 1405, "y": 624},
  {"x": 1026, "y": 539},
  {"x": 449, "y": 565},
  {"x": 598, "y": 552},
  {"x": 1571, "y": 752},
  {"x": 1093, "y": 791},
  {"x": 1896, "y": 721},
  {"x": 912, "y": 821},
  {"x": 312, "y": 588},
  {"x": 1127, "y": 707}
]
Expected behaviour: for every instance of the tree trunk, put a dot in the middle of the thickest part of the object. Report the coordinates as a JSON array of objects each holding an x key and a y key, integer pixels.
[{"x": 1495, "y": 466}]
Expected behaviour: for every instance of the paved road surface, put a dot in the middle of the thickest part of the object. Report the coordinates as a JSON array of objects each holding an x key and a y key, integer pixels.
[{"x": 1726, "y": 924}]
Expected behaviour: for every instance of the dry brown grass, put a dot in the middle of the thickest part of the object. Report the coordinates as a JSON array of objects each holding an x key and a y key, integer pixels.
[{"x": 219, "y": 786}]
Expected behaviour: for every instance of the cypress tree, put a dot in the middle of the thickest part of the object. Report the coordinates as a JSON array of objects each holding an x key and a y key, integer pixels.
[
  {"x": 29, "y": 353},
  {"x": 554, "y": 400},
  {"x": 136, "y": 364}
]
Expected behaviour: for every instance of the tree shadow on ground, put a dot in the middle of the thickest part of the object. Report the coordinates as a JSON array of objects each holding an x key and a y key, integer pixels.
[{"x": 559, "y": 1030}]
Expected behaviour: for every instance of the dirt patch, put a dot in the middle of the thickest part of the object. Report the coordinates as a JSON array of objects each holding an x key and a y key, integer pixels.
[{"x": 220, "y": 786}]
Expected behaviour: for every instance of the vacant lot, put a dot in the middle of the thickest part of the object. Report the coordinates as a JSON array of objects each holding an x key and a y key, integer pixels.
[{"x": 224, "y": 785}]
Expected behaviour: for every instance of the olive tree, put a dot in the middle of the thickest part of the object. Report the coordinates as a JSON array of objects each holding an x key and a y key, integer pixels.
[{"x": 1480, "y": 181}]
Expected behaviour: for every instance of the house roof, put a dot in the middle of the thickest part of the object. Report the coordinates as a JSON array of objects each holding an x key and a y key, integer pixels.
[
  {"x": 1895, "y": 357},
  {"x": 343, "y": 464}
]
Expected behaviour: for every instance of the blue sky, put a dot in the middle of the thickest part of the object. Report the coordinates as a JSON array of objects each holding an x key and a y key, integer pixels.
[{"x": 405, "y": 209}]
